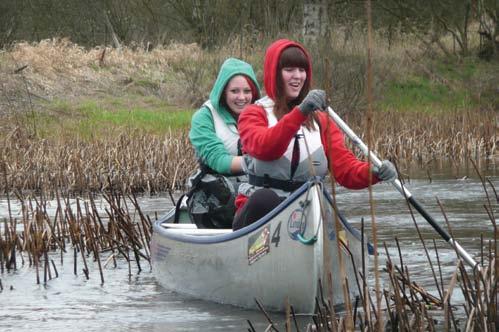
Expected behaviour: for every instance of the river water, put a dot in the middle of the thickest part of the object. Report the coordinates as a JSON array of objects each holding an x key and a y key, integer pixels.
[{"x": 123, "y": 303}]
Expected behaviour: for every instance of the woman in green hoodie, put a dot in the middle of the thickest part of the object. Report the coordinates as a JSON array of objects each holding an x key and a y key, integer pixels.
[
  {"x": 214, "y": 133},
  {"x": 215, "y": 138}
]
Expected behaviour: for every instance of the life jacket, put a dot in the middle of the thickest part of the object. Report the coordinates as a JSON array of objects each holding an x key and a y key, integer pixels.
[
  {"x": 211, "y": 196},
  {"x": 278, "y": 174},
  {"x": 227, "y": 133}
]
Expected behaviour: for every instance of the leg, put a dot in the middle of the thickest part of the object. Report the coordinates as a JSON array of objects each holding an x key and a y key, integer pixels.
[{"x": 258, "y": 205}]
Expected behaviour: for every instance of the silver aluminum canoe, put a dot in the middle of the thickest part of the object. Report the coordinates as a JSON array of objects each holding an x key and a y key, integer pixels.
[{"x": 267, "y": 260}]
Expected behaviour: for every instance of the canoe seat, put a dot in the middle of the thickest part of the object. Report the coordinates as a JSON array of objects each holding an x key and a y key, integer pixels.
[{"x": 191, "y": 229}]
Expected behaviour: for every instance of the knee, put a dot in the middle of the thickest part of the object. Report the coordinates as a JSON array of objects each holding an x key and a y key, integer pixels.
[{"x": 258, "y": 205}]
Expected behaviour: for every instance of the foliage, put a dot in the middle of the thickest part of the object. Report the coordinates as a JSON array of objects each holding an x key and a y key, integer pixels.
[
  {"x": 212, "y": 23},
  {"x": 432, "y": 21}
]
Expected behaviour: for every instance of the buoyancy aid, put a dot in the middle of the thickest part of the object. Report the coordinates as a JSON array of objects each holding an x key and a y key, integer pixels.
[
  {"x": 278, "y": 174},
  {"x": 227, "y": 132},
  {"x": 229, "y": 135},
  {"x": 211, "y": 196}
]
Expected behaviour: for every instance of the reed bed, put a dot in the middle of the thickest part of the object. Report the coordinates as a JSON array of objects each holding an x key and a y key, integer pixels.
[
  {"x": 121, "y": 231},
  {"x": 132, "y": 162},
  {"x": 97, "y": 239},
  {"x": 420, "y": 138},
  {"x": 407, "y": 306},
  {"x": 147, "y": 163}
]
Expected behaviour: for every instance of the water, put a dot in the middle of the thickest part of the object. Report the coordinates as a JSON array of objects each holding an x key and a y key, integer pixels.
[{"x": 123, "y": 303}]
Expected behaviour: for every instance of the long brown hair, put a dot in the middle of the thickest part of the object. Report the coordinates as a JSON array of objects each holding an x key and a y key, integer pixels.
[{"x": 291, "y": 57}]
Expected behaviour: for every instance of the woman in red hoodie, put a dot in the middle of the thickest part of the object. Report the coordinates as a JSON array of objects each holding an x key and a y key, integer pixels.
[{"x": 280, "y": 132}]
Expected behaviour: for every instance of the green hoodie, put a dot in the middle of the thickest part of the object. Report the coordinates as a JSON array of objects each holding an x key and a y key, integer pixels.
[{"x": 209, "y": 148}]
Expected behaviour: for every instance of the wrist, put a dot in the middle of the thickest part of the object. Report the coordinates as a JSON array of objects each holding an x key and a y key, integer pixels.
[{"x": 297, "y": 114}]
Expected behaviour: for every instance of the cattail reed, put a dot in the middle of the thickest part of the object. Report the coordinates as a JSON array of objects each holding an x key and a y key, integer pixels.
[
  {"x": 78, "y": 223},
  {"x": 409, "y": 306},
  {"x": 75, "y": 166}
]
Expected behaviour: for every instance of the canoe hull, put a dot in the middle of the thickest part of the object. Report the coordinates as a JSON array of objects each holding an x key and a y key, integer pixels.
[{"x": 266, "y": 260}]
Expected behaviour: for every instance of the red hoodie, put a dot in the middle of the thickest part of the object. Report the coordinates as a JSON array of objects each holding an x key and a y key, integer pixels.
[{"x": 264, "y": 143}]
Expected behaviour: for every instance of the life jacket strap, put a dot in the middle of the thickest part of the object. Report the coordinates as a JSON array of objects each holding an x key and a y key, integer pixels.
[{"x": 268, "y": 182}]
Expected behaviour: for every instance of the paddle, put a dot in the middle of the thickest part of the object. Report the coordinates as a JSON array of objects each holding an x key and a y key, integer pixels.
[{"x": 402, "y": 189}]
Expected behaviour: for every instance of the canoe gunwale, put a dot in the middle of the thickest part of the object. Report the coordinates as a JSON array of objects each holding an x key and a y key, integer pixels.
[
  {"x": 219, "y": 238},
  {"x": 157, "y": 226}
]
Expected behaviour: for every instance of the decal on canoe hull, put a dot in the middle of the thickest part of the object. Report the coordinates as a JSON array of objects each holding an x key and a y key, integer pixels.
[
  {"x": 296, "y": 223},
  {"x": 259, "y": 244}
]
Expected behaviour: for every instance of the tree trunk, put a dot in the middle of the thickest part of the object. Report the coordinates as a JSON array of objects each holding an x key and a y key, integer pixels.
[
  {"x": 113, "y": 34},
  {"x": 314, "y": 19}
]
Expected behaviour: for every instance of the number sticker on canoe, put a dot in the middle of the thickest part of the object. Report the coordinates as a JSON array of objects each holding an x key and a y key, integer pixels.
[
  {"x": 259, "y": 244},
  {"x": 276, "y": 237}
]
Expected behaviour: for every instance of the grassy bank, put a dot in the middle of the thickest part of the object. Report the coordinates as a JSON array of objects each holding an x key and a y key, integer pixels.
[
  {"x": 93, "y": 118},
  {"x": 449, "y": 86},
  {"x": 407, "y": 76}
]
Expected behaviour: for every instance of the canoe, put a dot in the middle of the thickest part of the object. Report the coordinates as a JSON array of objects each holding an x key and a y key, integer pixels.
[{"x": 281, "y": 256}]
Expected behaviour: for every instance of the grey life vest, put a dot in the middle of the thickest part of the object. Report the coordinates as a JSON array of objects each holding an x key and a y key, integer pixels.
[
  {"x": 227, "y": 133},
  {"x": 279, "y": 172},
  {"x": 211, "y": 196}
]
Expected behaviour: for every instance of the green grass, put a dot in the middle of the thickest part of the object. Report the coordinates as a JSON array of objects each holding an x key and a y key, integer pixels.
[
  {"x": 92, "y": 118},
  {"x": 464, "y": 70},
  {"x": 470, "y": 84},
  {"x": 421, "y": 94}
]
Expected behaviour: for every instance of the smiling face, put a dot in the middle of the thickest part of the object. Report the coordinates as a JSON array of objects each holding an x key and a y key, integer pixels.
[
  {"x": 238, "y": 94},
  {"x": 293, "y": 79}
]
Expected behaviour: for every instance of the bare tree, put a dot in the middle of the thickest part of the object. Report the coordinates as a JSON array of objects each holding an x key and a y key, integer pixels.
[{"x": 314, "y": 19}]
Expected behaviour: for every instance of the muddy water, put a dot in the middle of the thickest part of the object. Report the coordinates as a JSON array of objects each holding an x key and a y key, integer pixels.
[{"x": 123, "y": 303}]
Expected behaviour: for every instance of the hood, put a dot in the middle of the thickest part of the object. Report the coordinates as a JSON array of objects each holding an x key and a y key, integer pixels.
[
  {"x": 272, "y": 62},
  {"x": 230, "y": 68}
]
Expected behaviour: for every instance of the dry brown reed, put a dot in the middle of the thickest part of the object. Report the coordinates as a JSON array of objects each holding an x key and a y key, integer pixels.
[
  {"x": 77, "y": 225},
  {"x": 131, "y": 162},
  {"x": 181, "y": 74},
  {"x": 407, "y": 306},
  {"x": 145, "y": 163},
  {"x": 420, "y": 138}
]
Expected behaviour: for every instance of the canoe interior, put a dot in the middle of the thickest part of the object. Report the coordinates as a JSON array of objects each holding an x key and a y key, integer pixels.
[{"x": 183, "y": 217}]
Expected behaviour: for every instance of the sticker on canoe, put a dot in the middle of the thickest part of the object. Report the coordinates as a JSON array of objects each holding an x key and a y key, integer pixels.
[
  {"x": 259, "y": 245},
  {"x": 296, "y": 223}
]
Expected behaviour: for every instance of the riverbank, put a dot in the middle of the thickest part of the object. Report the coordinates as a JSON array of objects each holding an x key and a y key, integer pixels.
[{"x": 81, "y": 119}]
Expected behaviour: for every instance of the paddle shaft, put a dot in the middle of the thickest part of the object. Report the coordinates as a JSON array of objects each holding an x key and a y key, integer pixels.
[{"x": 402, "y": 189}]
